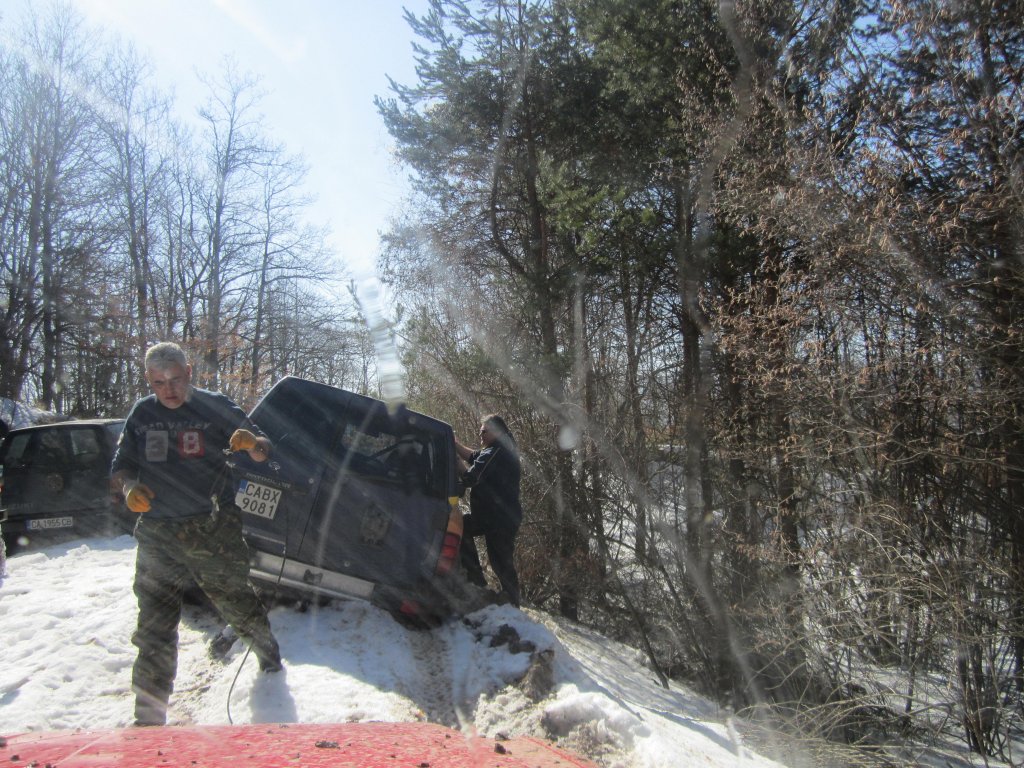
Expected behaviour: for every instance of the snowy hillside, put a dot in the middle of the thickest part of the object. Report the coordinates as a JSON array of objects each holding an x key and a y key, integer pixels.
[{"x": 67, "y": 613}]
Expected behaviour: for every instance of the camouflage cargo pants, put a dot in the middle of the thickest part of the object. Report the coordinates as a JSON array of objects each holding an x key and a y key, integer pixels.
[{"x": 210, "y": 550}]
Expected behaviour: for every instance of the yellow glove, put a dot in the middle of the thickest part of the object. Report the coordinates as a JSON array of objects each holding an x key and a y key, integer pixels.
[
  {"x": 137, "y": 497},
  {"x": 242, "y": 440}
]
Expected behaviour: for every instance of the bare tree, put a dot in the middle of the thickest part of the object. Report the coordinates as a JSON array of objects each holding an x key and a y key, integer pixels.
[
  {"x": 234, "y": 150},
  {"x": 56, "y": 181},
  {"x": 135, "y": 121}
]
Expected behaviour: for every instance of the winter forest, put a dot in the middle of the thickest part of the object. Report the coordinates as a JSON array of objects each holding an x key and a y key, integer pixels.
[{"x": 745, "y": 278}]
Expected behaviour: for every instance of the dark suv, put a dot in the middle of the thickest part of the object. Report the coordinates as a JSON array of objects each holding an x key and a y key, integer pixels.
[
  {"x": 356, "y": 501},
  {"x": 57, "y": 476}
]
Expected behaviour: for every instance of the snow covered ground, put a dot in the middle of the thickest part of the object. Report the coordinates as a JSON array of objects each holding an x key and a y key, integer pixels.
[{"x": 67, "y": 613}]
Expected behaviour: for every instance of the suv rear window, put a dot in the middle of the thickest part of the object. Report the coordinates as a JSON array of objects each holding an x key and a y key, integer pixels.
[
  {"x": 51, "y": 447},
  {"x": 85, "y": 447},
  {"x": 304, "y": 425},
  {"x": 356, "y": 434},
  {"x": 404, "y": 455}
]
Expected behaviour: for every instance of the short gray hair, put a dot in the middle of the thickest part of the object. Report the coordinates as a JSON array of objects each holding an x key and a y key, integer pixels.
[{"x": 165, "y": 354}]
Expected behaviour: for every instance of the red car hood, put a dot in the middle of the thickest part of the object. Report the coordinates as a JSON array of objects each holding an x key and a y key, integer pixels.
[{"x": 360, "y": 745}]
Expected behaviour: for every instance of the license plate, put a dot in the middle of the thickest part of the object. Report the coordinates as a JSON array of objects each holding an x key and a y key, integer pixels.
[
  {"x": 49, "y": 522},
  {"x": 256, "y": 499}
]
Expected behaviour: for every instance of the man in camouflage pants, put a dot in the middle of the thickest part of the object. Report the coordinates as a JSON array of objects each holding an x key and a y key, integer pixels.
[{"x": 170, "y": 466}]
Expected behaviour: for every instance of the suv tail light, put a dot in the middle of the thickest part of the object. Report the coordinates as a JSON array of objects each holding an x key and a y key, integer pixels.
[
  {"x": 452, "y": 539},
  {"x": 449, "y": 553}
]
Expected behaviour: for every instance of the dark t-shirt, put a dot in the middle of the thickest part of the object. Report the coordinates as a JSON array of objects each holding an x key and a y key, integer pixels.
[
  {"x": 493, "y": 478},
  {"x": 179, "y": 452}
]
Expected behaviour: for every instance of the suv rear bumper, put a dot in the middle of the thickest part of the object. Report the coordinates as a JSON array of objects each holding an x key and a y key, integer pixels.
[
  {"x": 292, "y": 574},
  {"x": 427, "y": 605}
]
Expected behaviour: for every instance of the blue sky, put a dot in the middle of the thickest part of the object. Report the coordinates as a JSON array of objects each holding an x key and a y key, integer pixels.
[{"x": 321, "y": 63}]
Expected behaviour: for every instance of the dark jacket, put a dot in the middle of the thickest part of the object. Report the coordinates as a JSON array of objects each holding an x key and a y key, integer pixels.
[
  {"x": 179, "y": 452},
  {"x": 493, "y": 478}
]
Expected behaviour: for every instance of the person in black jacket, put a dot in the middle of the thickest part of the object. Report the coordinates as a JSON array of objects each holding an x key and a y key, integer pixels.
[{"x": 492, "y": 475}]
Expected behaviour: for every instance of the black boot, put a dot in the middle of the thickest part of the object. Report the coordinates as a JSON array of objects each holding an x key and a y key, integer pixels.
[
  {"x": 270, "y": 664},
  {"x": 269, "y": 656}
]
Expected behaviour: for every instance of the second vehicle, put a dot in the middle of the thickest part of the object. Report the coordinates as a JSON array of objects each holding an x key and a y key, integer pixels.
[{"x": 56, "y": 476}]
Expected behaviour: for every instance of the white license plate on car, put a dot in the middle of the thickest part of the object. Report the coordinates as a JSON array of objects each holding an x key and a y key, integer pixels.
[
  {"x": 256, "y": 499},
  {"x": 49, "y": 522}
]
